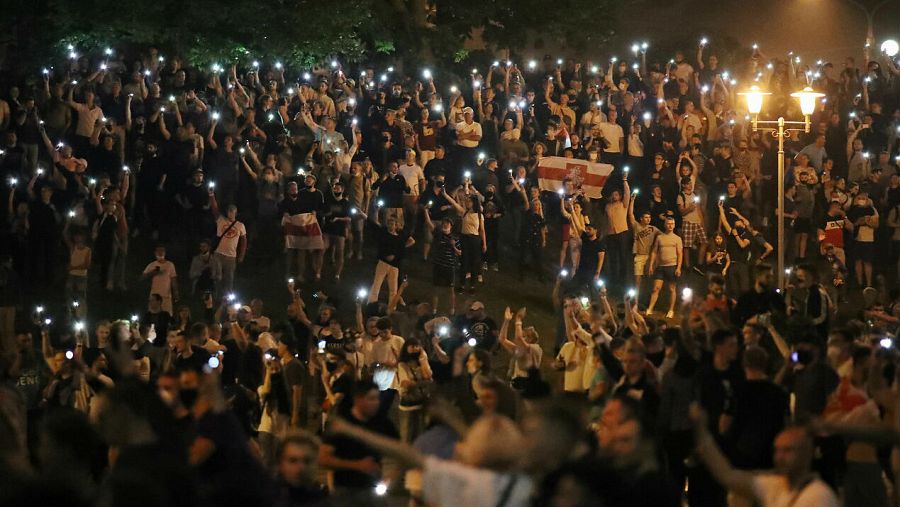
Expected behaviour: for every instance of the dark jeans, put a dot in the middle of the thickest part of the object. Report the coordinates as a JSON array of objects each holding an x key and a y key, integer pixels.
[
  {"x": 619, "y": 261},
  {"x": 471, "y": 255},
  {"x": 385, "y": 400},
  {"x": 678, "y": 446},
  {"x": 738, "y": 278}
]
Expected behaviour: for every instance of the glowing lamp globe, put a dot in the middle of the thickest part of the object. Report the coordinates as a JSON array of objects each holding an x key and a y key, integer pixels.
[
  {"x": 807, "y": 100},
  {"x": 754, "y": 97}
]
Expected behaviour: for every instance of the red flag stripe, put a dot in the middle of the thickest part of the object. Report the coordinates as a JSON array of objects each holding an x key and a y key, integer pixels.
[
  {"x": 560, "y": 173},
  {"x": 302, "y": 230}
]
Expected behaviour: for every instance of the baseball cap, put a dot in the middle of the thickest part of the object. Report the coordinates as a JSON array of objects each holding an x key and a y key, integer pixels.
[{"x": 477, "y": 305}]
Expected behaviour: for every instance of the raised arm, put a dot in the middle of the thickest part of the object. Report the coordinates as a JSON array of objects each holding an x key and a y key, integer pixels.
[
  {"x": 723, "y": 220},
  {"x": 209, "y": 135},
  {"x": 503, "y": 336},
  {"x": 718, "y": 465}
]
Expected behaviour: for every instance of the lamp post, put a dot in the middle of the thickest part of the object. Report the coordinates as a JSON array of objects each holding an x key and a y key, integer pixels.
[
  {"x": 870, "y": 11},
  {"x": 807, "y": 98}
]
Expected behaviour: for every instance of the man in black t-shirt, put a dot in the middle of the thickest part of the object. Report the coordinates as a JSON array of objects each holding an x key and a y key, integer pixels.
[
  {"x": 590, "y": 264},
  {"x": 188, "y": 357},
  {"x": 356, "y": 466},
  {"x": 761, "y": 299},
  {"x": 718, "y": 378},
  {"x": 437, "y": 166},
  {"x": 760, "y": 412},
  {"x": 479, "y": 326},
  {"x": 158, "y": 318}
]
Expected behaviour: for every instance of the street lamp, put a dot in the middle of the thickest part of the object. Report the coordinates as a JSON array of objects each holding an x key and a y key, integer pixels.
[
  {"x": 870, "y": 9},
  {"x": 807, "y": 98}
]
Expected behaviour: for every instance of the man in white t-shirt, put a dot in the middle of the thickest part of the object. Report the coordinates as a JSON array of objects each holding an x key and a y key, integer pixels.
[
  {"x": 614, "y": 136},
  {"x": 415, "y": 180},
  {"x": 468, "y": 136},
  {"x": 163, "y": 279},
  {"x": 232, "y": 238},
  {"x": 791, "y": 484},
  {"x": 382, "y": 358}
]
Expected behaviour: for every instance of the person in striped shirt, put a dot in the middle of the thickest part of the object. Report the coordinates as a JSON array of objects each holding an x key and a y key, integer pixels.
[{"x": 446, "y": 251}]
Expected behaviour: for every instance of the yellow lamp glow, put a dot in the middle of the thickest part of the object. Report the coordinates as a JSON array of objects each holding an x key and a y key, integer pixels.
[
  {"x": 754, "y": 99},
  {"x": 807, "y": 100}
]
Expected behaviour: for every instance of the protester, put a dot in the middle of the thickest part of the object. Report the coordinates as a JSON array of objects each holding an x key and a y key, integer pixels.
[{"x": 263, "y": 174}]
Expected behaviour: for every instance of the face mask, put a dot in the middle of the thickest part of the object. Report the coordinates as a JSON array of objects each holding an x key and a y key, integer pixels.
[
  {"x": 188, "y": 397},
  {"x": 489, "y": 194},
  {"x": 331, "y": 367}
]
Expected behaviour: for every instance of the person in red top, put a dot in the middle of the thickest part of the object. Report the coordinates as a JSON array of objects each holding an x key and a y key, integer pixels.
[
  {"x": 716, "y": 300},
  {"x": 832, "y": 227}
]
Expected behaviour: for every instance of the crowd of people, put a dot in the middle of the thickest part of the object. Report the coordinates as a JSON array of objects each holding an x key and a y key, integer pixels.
[{"x": 721, "y": 389}]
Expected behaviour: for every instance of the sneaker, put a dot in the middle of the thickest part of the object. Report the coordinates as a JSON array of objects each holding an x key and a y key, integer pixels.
[
  {"x": 337, "y": 278},
  {"x": 484, "y": 266},
  {"x": 670, "y": 315},
  {"x": 496, "y": 267},
  {"x": 480, "y": 279}
]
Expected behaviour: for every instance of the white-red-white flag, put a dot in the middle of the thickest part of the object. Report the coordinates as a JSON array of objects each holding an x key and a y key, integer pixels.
[
  {"x": 302, "y": 232},
  {"x": 590, "y": 176}
]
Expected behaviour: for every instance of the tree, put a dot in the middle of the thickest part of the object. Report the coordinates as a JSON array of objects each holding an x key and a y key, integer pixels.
[{"x": 300, "y": 32}]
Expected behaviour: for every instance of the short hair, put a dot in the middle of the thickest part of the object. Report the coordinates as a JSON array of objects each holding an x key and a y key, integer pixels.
[
  {"x": 300, "y": 438},
  {"x": 288, "y": 341},
  {"x": 363, "y": 387},
  {"x": 717, "y": 279},
  {"x": 384, "y": 324},
  {"x": 197, "y": 329},
  {"x": 809, "y": 268},
  {"x": 755, "y": 358},
  {"x": 720, "y": 336}
]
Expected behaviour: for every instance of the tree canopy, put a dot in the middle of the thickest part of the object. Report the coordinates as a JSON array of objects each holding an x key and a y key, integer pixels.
[{"x": 298, "y": 31}]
